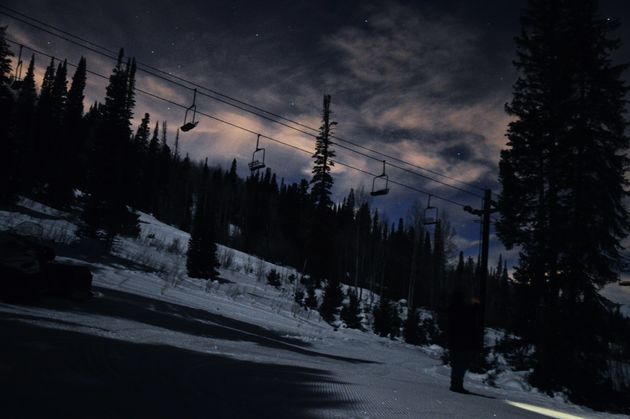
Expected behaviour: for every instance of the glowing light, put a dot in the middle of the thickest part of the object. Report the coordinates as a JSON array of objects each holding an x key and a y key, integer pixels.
[{"x": 543, "y": 410}]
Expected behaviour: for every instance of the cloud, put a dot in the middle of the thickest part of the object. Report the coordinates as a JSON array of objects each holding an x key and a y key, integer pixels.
[
  {"x": 402, "y": 47},
  {"x": 411, "y": 72}
]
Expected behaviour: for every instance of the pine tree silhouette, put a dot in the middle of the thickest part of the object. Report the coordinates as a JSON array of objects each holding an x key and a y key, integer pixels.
[
  {"x": 57, "y": 168},
  {"x": 322, "y": 181},
  {"x": 563, "y": 180},
  {"x": 411, "y": 328},
  {"x": 5, "y": 57},
  {"x": 311, "y": 297},
  {"x": 8, "y": 145},
  {"x": 24, "y": 117},
  {"x": 106, "y": 212},
  {"x": 351, "y": 313},
  {"x": 331, "y": 300},
  {"x": 201, "y": 261},
  {"x": 321, "y": 251},
  {"x": 75, "y": 128}
]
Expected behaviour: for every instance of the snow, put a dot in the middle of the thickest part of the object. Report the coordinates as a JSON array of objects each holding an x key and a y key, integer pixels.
[
  {"x": 55, "y": 224},
  {"x": 619, "y": 294},
  {"x": 242, "y": 318}
]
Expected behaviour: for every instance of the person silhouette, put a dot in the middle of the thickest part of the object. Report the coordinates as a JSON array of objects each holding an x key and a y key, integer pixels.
[{"x": 463, "y": 342}]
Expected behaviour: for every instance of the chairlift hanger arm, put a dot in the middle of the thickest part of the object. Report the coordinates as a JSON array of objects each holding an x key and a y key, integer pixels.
[{"x": 478, "y": 212}]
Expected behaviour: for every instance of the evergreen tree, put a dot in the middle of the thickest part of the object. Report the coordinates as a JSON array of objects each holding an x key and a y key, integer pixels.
[
  {"x": 381, "y": 314},
  {"x": 298, "y": 297},
  {"x": 164, "y": 173},
  {"x": 142, "y": 134},
  {"x": 438, "y": 267},
  {"x": 273, "y": 278},
  {"x": 150, "y": 184},
  {"x": 57, "y": 164},
  {"x": 498, "y": 272},
  {"x": 386, "y": 319},
  {"x": 201, "y": 260},
  {"x": 411, "y": 327},
  {"x": 563, "y": 180},
  {"x": 425, "y": 287},
  {"x": 232, "y": 174},
  {"x": 24, "y": 115},
  {"x": 311, "y": 298},
  {"x": 176, "y": 155},
  {"x": 5, "y": 57},
  {"x": 322, "y": 181},
  {"x": 8, "y": 145},
  {"x": 59, "y": 92},
  {"x": 321, "y": 253},
  {"x": 110, "y": 159},
  {"x": 75, "y": 128},
  {"x": 504, "y": 278},
  {"x": 76, "y": 93},
  {"x": 43, "y": 131},
  {"x": 44, "y": 104},
  {"x": 140, "y": 145},
  {"x": 351, "y": 313},
  {"x": 331, "y": 300},
  {"x": 184, "y": 188}
]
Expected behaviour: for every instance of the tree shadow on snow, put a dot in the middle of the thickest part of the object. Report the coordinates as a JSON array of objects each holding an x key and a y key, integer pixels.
[
  {"x": 187, "y": 320},
  {"x": 55, "y": 373}
]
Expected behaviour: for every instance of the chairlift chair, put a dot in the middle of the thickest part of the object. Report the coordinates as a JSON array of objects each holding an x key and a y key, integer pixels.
[
  {"x": 258, "y": 157},
  {"x": 380, "y": 184},
  {"x": 430, "y": 214},
  {"x": 187, "y": 126}
]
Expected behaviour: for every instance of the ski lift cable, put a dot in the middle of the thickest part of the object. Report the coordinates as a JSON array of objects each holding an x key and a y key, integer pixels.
[
  {"x": 174, "y": 76},
  {"x": 52, "y": 27},
  {"x": 251, "y": 131}
]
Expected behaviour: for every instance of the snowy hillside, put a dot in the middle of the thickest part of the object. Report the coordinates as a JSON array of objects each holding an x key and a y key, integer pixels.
[
  {"x": 618, "y": 294},
  {"x": 156, "y": 343}
]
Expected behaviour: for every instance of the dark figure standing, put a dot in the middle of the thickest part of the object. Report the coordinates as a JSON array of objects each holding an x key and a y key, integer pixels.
[{"x": 464, "y": 332}]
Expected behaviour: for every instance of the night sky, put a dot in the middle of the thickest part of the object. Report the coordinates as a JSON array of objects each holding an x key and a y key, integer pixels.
[{"x": 424, "y": 81}]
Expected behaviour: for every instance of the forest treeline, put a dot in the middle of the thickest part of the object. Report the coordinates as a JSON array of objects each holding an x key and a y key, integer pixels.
[{"x": 94, "y": 159}]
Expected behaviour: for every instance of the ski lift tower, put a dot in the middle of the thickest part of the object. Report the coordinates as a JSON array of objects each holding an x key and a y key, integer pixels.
[{"x": 489, "y": 207}]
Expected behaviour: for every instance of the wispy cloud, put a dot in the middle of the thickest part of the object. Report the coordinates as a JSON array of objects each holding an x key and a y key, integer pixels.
[{"x": 409, "y": 73}]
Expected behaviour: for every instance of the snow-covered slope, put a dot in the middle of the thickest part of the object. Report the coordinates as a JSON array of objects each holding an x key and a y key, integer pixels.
[
  {"x": 618, "y": 294},
  {"x": 235, "y": 348}
]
